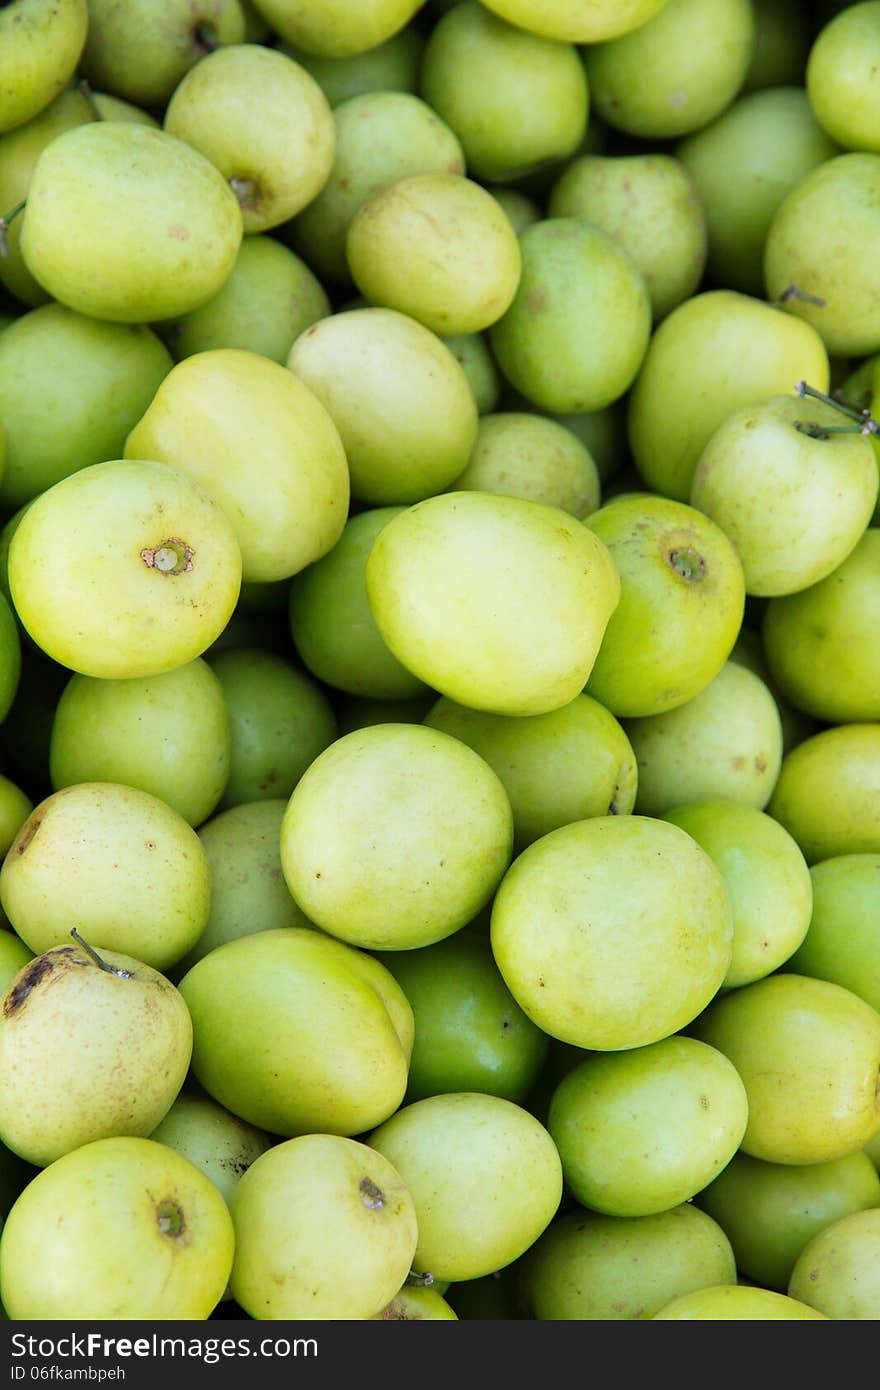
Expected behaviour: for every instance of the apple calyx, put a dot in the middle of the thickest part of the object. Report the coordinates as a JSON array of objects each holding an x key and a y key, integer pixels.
[
  {"x": 688, "y": 563},
  {"x": 371, "y": 1195},
  {"x": 5, "y": 221},
  {"x": 170, "y": 1218},
  {"x": 99, "y": 960},
  {"x": 172, "y": 556},
  {"x": 204, "y": 37},
  {"x": 866, "y": 424},
  {"x": 247, "y": 191}
]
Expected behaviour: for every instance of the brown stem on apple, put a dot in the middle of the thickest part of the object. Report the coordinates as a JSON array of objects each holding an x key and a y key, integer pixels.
[
  {"x": 795, "y": 292},
  {"x": 99, "y": 961},
  {"x": 5, "y": 221},
  {"x": 371, "y": 1195},
  {"x": 85, "y": 87}
]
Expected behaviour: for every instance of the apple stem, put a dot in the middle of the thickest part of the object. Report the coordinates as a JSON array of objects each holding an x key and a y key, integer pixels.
[
  {"x": 866, "y": 424},
  {"x": 418, "y": 1281},
  {"x": 86, "y": 88},
  {"x": 90, "y": 950},
  {"x": 4, "y": 226},
  {"x": 795, "y": 292}
]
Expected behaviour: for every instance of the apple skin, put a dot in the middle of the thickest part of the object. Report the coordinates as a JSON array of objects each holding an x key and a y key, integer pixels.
[
  {"x": 524, "y": 454},
  {"x": 484, "y": 1175},
  {"x": 736, "y": 1302},
  {"x": 612, "y": 932},
  {"x": 682, "y": 596},
  {"x": 95, "y": 1236},
  {"x": 839, "y": 77},
  {"x": 411, "y": 1305},
  {"x": 715, "y": 353},
  {"x": 643, "y": 1130},
  {"x": 265, "y": 1007},
  {"x": 767, "y": 879},
  {"x": 86, "y": 1053},
  {"x": 395, "y": 837},
  {"x": 15, "y": 807},
  {"x": 14, "y": 956},
  {"x": 572, "y": 275},
  {"x": 41, "y": 42},
  {"x": 156, "y": 193},
  {"x": 389, "y": 66},
  {"x": 794, "y": 506},
  {"x": 842, "y": 943},
  {"x": 217, "y": 1142},
  {"x": 228, "y": 417},
  {"x": 497, "y": 602},
  {"x": 575, "y": 22},
  {"x": 10, "y": 656},
  {"x": 822, "y": 644},
  {"x": 118, "y": 863},
  {"x": 770, "y": 1210},
  {"x": 828, "y": 792},
  {"x": 588, "y": 1266},
  {"x": 517, "y": 100},
  {"x": 808, "y": 1052},
  {"x": 838, "y": 1271},
  {"x": 336, "y": 28},
  {"x": 823, "y": 238},
  {"x": 325, "y": 1228}
]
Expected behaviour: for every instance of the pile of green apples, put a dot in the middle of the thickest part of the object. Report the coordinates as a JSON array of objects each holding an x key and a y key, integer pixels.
[{"x": 439, "y": 659}]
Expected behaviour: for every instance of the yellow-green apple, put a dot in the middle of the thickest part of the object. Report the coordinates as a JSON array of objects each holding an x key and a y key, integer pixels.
[
  {"x": 838, "y": 1271},
  {"x": 14, "y": 955},
  {"x": 91, "y": 1046},
  {"x": 120, "y": 1228},
  {"x": 335, "y": 28},
  {"x": 216, "y": 1141},
  {"x": 842, "y": 942},
  {"x": 497, "y": 602},
  {"x": 15, "y": 807},
  {"x": 576, "y": 22},
  {"x": 613, "y": 932},
  {"x": 827, "y": 794},
  {"x": 808, "y": 1052},
  {"x": 389, "y": 66},
  {"x": 262, "y": 444},
  {"x": 472, "y": 352},
  {"x": 124, "y": 568},
  {"x": 325, "y": 1228},
  {"x": 10, "y": 656},
  {"x": 736, "y": 1302},
  {"x": 839, "y": 77},
  {"x": 395, "y": 837},
  {"x": 298, "y": 1033},
  {"x": 41, "y": 42},
  {"x": 524, "y": 454},
  {"x": 485, "y": 1179},
  {"x": 416, "y": 1304}
]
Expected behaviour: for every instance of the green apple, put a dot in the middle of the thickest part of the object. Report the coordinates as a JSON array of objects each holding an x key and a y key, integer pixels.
[
  {"x": 715, "y": 353},
  {"x": 41, "y": 42},
  {"x": 516, "y": 99},
  {"x": 262, "y": 444},
  {"x": 281, "y": 719},
  {"x": 808, "y": 1052},
  {"x": 336, "y": 28},
  {"x": 168, "y": 735},
  {"x": 470, "y": 1033},
  {"x": 783, "y": 33},
  {"x": 767, "y": 879},
  {"x": 743, "y": 163},
  {"x": 643, "y": 1130},
  {"x": 415, "y": 1304},
  {"x": 651, "y": 206},
  {"x": 573, "y": 20},
  {"x": 613, "y": 932},
  {"x": 121, "y": 1228},
  {"x": 735, "y": 1302},
  {"x": 682, "y": 596},
  {"x": 389, "y": 66},
  {"x": 400, "y": 401},
  {"x": 332, "y": 625},
  {"x": 15, "y": 807},
  {"x": 484, "y": 1175},
  {"x": 822, "y": 644},
  {"x": 217, "y": 1142},
  {"x": 296, "y": 1033},
  {"x": 141, "y": 50},
  {"x": 770, "y": 1210},
  {"x": 822, "y": 240},
  {"x": 842, "y": 942},
  {"x": 839, "y": 79},
  {"x": 14, "y": 956},
  {"x": 674, "y": 73},
  {"x": 380, "y": 136},
  {"x": 118, "y": 863},
  {"x": 264, "y": 122},
  {"x": 519, "y": 206},
  {"x": 524, "y": 454},
  {"x": 113, "y": 108},
  {"x": 566, "y": 765},
  {"x": 395, "y": 837},
  {"x": 91, "y": 1046},
  {"x": 872, "y": 1149},
  {"x": 248, "y": 892},
  {"x": 325, "y": 1228},
  {"x": 748, "y": 650},
  {"x": 497, "y": 602},
  {"x": 838, "y": 1271},
  {"x": 723, "y": 743},
  {"x": 124, "y": 568},
  {"x": 792, "y": 494},
  {"x": 435, "y": 246},
  {"x": 589, "y": 1267},
  {"x": 472, "y": 352},
  {"x": 579, "y": 325},
  {"x": 71, "y": 388},
  {"x": 10, "y": 656},
  {"x": 19, "y": 151},
  {"x": 100, "y": 189},
  {"x": 270, "y": 297},
  {"x": 828, "y": 792}
]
